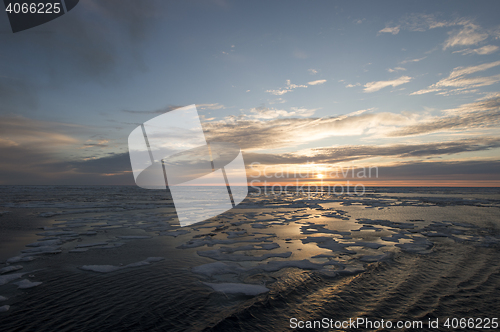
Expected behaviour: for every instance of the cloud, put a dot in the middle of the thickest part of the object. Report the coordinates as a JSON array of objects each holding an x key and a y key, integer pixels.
[
  {"x": 488, "y": 49},
  {"x": 460, "y": 172},
  {"x": 470, "y": 34},
  {"x": 467, "y": 33},
  {"x": 99, "y": 144},
  {"x": 282, "y": 129},
  {"x": 158, "y": 111},
  {"x": 45, "y": 152},
  {"x": 378, "y": 85},
  {"x": 272, "y": 113},
  {"x": 393, "y": 30},
  {"x": 312, "y": 71},
  {"x": 113, "y": 169},
  {"x": 423, "y": 22},
  {"x": 301, "y": 111},
  {"x": 267, "y": 113},
  {"x": 294, "y": 86},
  {"x": 462, "y": 71},
  {"x": 481, "y": 114},
  {"x": 277, "y": 101},
  {"x": 390, "y": 70},
  {"x": 318, "y": 82},
  {"x": 33, "y": 151},
  {"x": 487, "y": 104},
  {"x": 278, "y": 92},
  {"x": 289, "y": 87},
  {"x": 489, "y": 95},
  {"x": 252, "y": 134},
  {"x": 346, "y": 153},
  {"x": 21, "y": 131},
  {"x": 458, "y": 80},
  {"x": 112, "y": 164},
  {"x": 352, "y": 85},
  {"x": 99, "y": 37},
  {"x": 416, "y": 150},
  {"x": 27, "y": 164},
  {"x": 215, "y": 106},
  {"x": 412, "y": 60},
  {"x": 468, "y": 170}
]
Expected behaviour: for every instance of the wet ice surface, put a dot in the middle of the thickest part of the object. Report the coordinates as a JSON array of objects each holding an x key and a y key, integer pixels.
[
  {"x": 23, "y": 284},
  {"x": 113, "y": 231}
]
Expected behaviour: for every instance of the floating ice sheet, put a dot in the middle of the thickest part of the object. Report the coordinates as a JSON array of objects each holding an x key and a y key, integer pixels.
[
  {"x": 11, "y": 268},
  {"x": 112, "y": 268},
  {"x": 25, "y": 284},
  {"x": 4, "y": 279}
]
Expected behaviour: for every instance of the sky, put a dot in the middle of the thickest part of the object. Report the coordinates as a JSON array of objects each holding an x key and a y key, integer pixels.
[{"x": 409, "y": 88}]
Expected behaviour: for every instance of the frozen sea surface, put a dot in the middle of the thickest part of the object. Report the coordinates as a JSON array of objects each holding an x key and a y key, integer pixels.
[{"x": 87, "y": 258}]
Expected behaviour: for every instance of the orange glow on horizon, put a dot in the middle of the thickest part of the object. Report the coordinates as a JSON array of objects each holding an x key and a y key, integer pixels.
[{"x": 385, "y": 183}]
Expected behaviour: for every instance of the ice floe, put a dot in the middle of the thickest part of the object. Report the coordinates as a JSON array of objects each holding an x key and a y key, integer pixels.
[
  {"x": 176, "y": 233},
  {"x": 25, "y": 284},
  {"x": 134, "y": 237},
  {"x": 42, "y": 250},
  {"x": 326, "y": 242},
  {"x": 260, "y": 246},
  {"x": 19, "y": 259},
  {"x": 101, "y": 268},
  {"x": 219, "y": 255},
  {"x": 395, "y": 237},
  {"x": 11, "y": 268},
  {"x": 387, "y": 223},
  {"x": 112, "y": 268},
  {"x": 321, "y": 238},
  {"x": 86, "y": 245},
  {"x": 418, "y": 245},
  {"x": 350, "y": 270},
  {"x": 45, "y": 243},
  {"x": 4, "y": 279},
  {"x": 209, "y": 241},
  {"x": 235, "y": 234},
  {"x": 61, "y": 233}
]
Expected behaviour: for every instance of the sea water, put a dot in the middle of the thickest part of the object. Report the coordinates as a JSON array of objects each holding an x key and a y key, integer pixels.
[{"x": 111, "y": 258}]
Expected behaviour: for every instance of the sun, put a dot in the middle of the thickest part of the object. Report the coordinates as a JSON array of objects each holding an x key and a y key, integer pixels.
[{"x": 320, "y": 176}]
